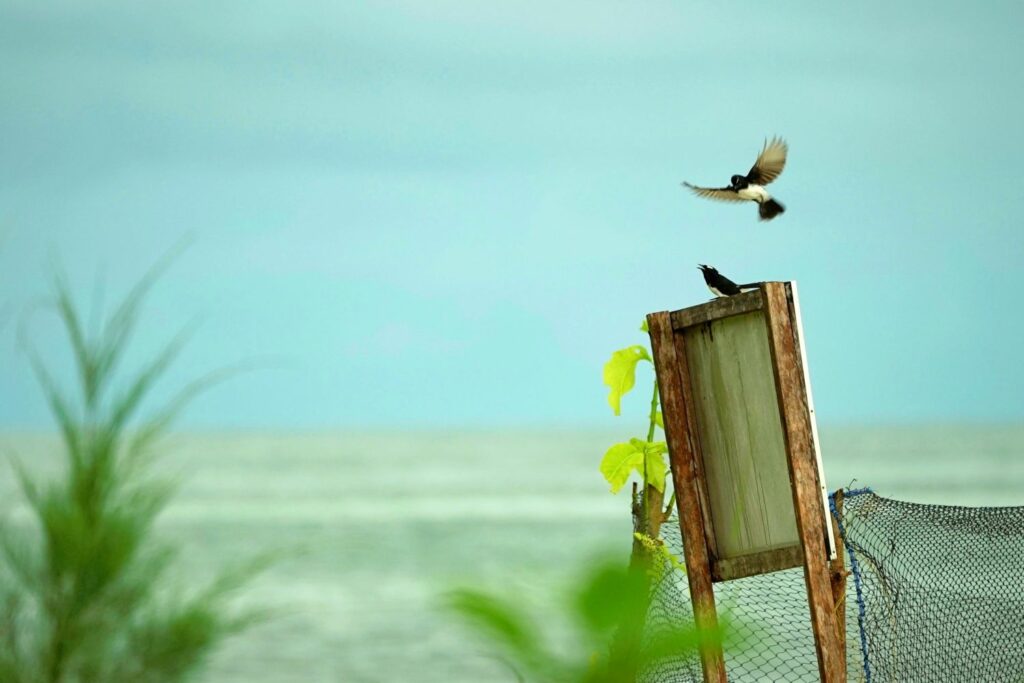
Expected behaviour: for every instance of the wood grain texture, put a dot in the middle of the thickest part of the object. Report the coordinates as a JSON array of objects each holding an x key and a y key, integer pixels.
[
  {"x": 741, "y": 444},
  {"x": 811, "y": 521},
  {"x": 693, "y": 429},
  {"x": 838, "y": 577},
  {"x": 757, "y": 563},
  {"x": 682, "y": 457},
  {"x": 794, "y": 312},
  {"x": 721, "y": 307}
]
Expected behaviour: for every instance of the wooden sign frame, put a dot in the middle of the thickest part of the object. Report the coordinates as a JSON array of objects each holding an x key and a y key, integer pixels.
[{"x": 777, "y": 304}]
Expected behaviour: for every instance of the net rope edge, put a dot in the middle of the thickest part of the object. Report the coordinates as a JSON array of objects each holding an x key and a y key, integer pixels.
[{"x": 855, "y": 567}]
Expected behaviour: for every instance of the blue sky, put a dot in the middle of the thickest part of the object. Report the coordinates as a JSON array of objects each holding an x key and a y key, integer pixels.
[{"x": 448, "y": 214}]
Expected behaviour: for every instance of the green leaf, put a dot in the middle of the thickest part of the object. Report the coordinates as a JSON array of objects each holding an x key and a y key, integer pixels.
[
  {"x": 504, "y": 622},
  {"x": 651, "y": 463},
  {"x": 646, "y": 458},
  {"x": 607, "y": 595},
  {"x": 659, "y": 419},
  {"x": 619, "y": 461},
  {"x": 654, "y": 458},
  {"x": 125, "y": 405},
  {"x": 620, "y": 373},
  {"x": 643, "y": 326}
]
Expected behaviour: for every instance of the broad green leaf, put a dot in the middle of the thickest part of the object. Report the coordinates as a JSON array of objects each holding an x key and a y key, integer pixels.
[
  {"x": 646, "y": 458},
  {"x": 656, "y": 447},
  {"x": 619, "y": 461},
  {"x": 654, "y": 456},
  {"x": 620, "y": 373},
  {"x": 503, "y": 621},
  {"x": 651, "y": 466},
  {"x": 608, "y": 595}
]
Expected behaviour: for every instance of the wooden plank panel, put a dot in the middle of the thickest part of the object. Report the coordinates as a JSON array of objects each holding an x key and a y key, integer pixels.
[
  {"x": 721, "y": 307},
  {"x": 757, "y": 563},
  {"x": 741, "y": 440},
  {"x": 684, "y": 474},
  {"x": 789, "y": 381},
  {"x": 700, "y": 478}
]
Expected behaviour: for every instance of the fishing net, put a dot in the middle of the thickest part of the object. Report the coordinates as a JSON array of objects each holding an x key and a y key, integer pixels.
[
  {"x": 942, "y": 589},
  {"x": 767, "y": 624},
  {"x": 936, "y": 594}
]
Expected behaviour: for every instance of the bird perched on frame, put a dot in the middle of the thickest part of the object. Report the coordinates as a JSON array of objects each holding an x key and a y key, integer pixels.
[
  {"x": 720, "y": 285},
  {"x": 750, "y": 187}
]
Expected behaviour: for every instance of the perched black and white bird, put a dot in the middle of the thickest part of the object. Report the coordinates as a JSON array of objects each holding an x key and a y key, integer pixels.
[
  {"x": 720, "y": 285},
  {"x": 750, "y": 187}
]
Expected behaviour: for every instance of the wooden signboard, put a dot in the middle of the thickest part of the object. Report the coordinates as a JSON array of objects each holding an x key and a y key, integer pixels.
[{"x": 743, "y": 446}]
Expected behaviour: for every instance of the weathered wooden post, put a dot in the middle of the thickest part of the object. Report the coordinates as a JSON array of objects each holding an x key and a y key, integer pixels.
[
  {"x": 839, "y": 574},
  {"x": 743, "y": 447}
]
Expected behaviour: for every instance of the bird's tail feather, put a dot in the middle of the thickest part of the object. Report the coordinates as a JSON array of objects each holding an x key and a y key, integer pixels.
[
  {"x": 749, "y": 286},
  {"x": 769, "y": 209}
]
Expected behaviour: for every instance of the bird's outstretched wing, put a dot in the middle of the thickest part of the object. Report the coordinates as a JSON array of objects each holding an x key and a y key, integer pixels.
[
  {"x": 769, "y": 163},
  {"x": 725, "y": 194}
]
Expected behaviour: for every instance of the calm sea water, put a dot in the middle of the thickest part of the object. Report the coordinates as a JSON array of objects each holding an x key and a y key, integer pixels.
[{"x": 381, "y": 523}]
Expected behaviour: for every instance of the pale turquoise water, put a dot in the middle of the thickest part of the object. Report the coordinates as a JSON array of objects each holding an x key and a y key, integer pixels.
[{"x": 386, "y": 521}]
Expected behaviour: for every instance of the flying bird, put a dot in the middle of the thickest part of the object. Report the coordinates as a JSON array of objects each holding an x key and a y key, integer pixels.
[
  {"x": 720, "y": 285},
  {"x": 750, "y": 187}
]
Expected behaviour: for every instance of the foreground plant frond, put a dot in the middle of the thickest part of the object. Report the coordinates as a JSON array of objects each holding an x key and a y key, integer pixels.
[
  {"x": 605, "y": 599},
  {"x": 83, "y": 591}
]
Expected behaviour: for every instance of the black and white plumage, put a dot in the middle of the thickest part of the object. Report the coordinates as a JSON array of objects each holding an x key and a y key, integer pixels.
[
  {"x": 720, "y": 285},
  {"x": 750, "y": 187}
]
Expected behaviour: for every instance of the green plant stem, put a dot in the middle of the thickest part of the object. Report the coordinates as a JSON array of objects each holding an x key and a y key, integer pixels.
[
  {"x": 654, "y": 413},
  {"x": 652, "y": 423},
  {"x": 650, "y": 437},
  {"x": 647, "y": 520}
]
